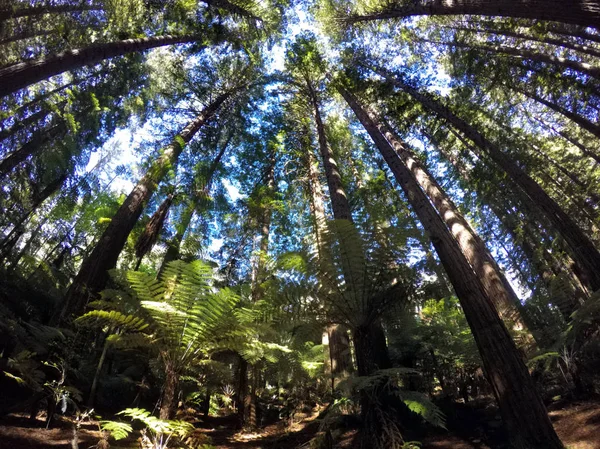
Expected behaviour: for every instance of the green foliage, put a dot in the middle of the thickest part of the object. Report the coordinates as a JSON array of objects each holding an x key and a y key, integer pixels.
[{"x": 118, "y": 430}]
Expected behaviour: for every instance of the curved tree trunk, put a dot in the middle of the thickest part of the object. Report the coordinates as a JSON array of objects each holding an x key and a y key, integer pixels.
[
  {"x": 543, "y": 40},
  {"x": 575, "y": 118},
  {"x": 174, "y": 245},
  {"x": 583, "y": 250},
  {"x": 93, "y": 273},
  {"x": 559, "y": 61},
  {"x": 37, "y": 141},
  {"x": 485, "y": 266},
  {"x": 521, "y": 406},
  {"x": 578, "y": 12},
  {"x": 29, "y": 11},
  {"x": 23, "y": 74}
]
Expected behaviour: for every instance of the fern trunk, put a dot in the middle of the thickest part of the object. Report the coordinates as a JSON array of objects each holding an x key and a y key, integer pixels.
[
  {"x": 242, "y": 391},
  {"x": 371, "y": 349},
  {"x": 520, "y": 404},
  {"x": 168, "y": 402}
]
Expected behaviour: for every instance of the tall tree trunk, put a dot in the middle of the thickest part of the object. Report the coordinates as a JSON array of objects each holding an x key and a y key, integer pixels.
[
  {"x": 377, "y": 356},
  {"x": 339, "y": 201},
  {"x": 583, "y": 250},
  {"x": 38, "y": 139},
  {"x": 479, "y": 257},
  {"x": 174, "y": 245},
  {"x": 340, "y": 357},
  {"x": 578, "y": 12},
  {"x": 545, "y": 263},
  {"x": 575, "y": 118},
  {"x": 541, "y": 39},
  {"x": 28, "y": 34},
  {"x": 13, "y": 236},
  {"x": 23, "y": 74},
  {"x": 30, "y": 11},
  {"x": 93, "y": 273},
  {"x": 521, "y": 406},
  {"x": 571, "y": 140},
  {"x": 242, "y": 391},
  {"x": 28, "y": 121},
  {"x": 521, "y": 53}
]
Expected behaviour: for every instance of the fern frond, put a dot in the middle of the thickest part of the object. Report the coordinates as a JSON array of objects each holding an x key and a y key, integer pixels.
[{"x": 112, "y": 318}]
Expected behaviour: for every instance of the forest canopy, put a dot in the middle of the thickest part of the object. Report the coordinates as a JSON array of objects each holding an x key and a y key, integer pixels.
[{"x": 376, "y": 211}]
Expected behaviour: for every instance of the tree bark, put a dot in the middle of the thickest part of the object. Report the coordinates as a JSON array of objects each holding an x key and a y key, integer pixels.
[
  {"x": 543, "y": 40},
  {"x": 479, "y": 257},
  {"x": 242, "y": 391},
  {"x": 581, "y": 67},
  {"x": 341, "y": 211},
  {"x": 93, "y": 274},
  {"x": 575, "y": 118},
  {"x": 29, "y": 11},
  {"x": 23, "y": 74},
  {"x": 578, "y": 12},
  {"x": 339, "y": 358},
  {"x": 339, "y": 353},
  {"x": 583, "y": 250},
  {"x": 521, "y": 406},
  {"x": 37, "y": 141},
  {"x": 168, "y": 403},
  {"x": 28, "y": 121},
  {"x": 339, "y": 201}
]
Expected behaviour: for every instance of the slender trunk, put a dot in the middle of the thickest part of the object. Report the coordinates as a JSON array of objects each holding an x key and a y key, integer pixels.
[
  {"x": 575, "y": 118},
  {"x": 93, "y": 272},
  {"x": 168, "y": 403},
  {"x": 28, "y": 121},
  {"x": 30, "y": 11},
  {"x": 572, "y": 141},
  {"x": 252, "y": 400},
  {"x": 521, "y": 406},
  {"x": 25, "y": 35},
  {"x": 174, "y": 245},
  {"x": 585, "y": 49},
  {"x": 36, "y": 143},
  {"x": 577, "y": 31},
  {"x": 339, "y": 201},
  {"x": 583, "y": 250},
  {"x": 242, "y": 391},
  {"x": 341, "y": 211},
  {"x": 23, "y": 74},
  {"x": 592, "y": 196},
  {"x": 559, "y": 61},
  {"x": 522, "y": 235},
  {"x": 92, "y": 396},
  {"x": 11, "y": 239},
  {"x": 340, "y": 357},
  {"x": 578, "y": 12}
]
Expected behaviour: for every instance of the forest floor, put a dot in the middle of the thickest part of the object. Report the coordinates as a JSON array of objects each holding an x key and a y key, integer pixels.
[{"x": 577, "y": 423}]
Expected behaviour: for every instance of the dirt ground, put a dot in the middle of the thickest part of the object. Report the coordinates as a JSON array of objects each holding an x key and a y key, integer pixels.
[{"x": 578, "y": 425}]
